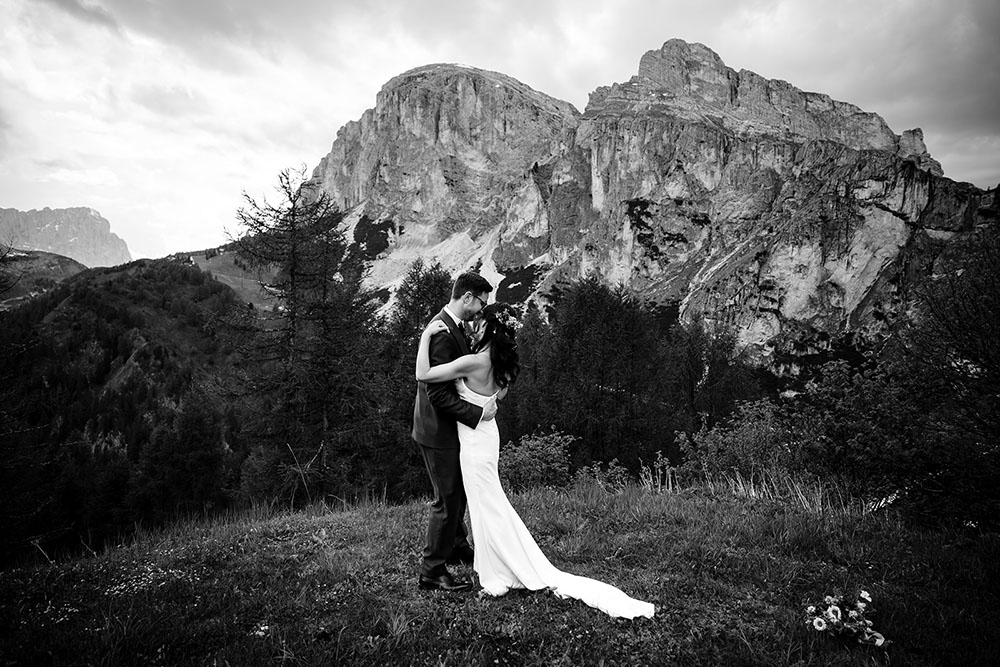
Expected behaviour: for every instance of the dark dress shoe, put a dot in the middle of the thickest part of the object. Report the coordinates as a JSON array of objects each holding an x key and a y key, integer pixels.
[
  {"x": 443, "y": 582},
  {"x": 463, "y": 556}
]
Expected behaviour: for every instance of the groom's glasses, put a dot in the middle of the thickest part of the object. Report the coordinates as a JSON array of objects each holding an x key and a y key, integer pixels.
[{"x": 478, "y": 299}]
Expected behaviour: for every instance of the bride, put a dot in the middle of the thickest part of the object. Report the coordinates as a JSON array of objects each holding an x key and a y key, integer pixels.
[{"x": 506, "y": 556}]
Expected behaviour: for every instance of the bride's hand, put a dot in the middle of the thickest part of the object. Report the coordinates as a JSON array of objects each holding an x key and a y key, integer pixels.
[
  {"x": 437, "y": 326},
  {"x": 490, "y": 409}
]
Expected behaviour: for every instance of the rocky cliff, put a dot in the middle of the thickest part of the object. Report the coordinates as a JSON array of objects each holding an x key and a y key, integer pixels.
[
  {"x": 791, "y": 216},
  {"x": 79, "y": 233}
]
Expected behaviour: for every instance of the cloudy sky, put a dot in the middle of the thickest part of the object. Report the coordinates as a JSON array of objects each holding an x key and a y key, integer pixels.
[{"x": 161, "y": 113}]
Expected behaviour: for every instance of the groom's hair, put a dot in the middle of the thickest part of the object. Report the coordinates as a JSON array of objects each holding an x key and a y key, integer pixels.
[{"x": 470, "y": 281}]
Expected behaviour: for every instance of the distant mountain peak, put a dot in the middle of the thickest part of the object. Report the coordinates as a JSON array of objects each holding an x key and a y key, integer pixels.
[{"x": 80, "y": 233}]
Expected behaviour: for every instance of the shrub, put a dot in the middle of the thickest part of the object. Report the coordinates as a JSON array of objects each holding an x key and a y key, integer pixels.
[
  {"x": 539, "y": 459},
  {"x": 659, "y": 476},
  {"x": 612, "y": 477},
  {"x": 894, "y": 430},
  {"x": 753, "y": 442}
]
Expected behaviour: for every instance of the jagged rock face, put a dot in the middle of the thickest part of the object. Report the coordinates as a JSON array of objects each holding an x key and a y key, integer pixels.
[
  {"x": 444, "y": 157},
  {"x": 783, "y": 213},
  {"x": 79, "y": 233}
]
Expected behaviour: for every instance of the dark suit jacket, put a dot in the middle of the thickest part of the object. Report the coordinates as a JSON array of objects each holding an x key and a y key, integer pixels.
[{"x": 438, "y": 408}]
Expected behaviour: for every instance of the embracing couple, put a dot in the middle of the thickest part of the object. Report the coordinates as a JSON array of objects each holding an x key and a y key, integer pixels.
[{"x": 460, "y": 381}]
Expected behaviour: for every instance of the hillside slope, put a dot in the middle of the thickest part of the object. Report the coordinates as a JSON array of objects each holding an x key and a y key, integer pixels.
[
  {"x": 730, "y": 577},
  {"x": 89, "y": 372},
  {"x": 32, "y": 273}
]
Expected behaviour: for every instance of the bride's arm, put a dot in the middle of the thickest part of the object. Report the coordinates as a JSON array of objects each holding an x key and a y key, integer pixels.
[{"x": 460, "y": 367}]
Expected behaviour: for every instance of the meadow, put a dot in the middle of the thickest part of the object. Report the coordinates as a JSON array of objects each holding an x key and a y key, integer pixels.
[{"x": 730, "y": 565}]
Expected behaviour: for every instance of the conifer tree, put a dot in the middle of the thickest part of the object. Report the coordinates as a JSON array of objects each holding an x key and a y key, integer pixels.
[
  {"x": 421, "y": 294},
  {"x": 705, "y": 375},
  {"x": 598, "y": 375},
  {"x": 182, "y": 467},
  {"x": 308, "y": 361}
]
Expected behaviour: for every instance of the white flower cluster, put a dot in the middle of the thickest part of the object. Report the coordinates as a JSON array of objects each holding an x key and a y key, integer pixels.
[
  {"x": 830, "y": 616},
  {"x": 509, "y": 320},
  {"x": 148, "y": 576},
  {"x": 60, "y": 613}
]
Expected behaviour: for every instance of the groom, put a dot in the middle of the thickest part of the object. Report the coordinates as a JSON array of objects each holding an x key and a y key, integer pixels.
[{"x": 435, "y": 416}]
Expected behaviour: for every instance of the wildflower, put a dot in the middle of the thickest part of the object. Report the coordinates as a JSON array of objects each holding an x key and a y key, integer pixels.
[{"x": 830, "y": 618}]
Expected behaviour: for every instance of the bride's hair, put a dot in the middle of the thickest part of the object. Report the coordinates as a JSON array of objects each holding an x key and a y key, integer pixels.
[{"x": 502, "y": 322}]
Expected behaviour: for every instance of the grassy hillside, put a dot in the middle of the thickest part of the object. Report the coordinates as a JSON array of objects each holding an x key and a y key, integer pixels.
[
  {"x": 34, "y": 272},
  {"x": 91, "y": 374},
  {"x": 224, "y": 267},
  {"x": 729, "y": 574}
]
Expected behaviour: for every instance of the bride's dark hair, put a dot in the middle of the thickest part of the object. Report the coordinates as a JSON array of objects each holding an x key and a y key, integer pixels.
[{"x": 502, "y": 322}]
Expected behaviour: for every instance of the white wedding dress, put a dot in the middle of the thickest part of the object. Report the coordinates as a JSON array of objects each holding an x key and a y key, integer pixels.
[{"x": 506, "y": 555}]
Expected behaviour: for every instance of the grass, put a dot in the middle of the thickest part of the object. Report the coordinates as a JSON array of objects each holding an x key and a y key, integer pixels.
[{"x": 729, "y": 567}]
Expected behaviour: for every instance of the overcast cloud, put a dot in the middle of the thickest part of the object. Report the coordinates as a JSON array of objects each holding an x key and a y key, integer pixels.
[{"x": 160, "y": 114}]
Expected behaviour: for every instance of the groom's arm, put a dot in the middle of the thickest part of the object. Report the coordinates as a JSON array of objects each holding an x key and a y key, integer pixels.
[{"x": 442, "y": 395}]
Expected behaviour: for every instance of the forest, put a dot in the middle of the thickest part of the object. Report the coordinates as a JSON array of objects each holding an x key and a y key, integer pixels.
[{"x": 146, "y": 393}]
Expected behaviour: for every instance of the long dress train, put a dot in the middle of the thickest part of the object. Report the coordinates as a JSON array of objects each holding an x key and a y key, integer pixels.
[{"x": 506, "y": 555}]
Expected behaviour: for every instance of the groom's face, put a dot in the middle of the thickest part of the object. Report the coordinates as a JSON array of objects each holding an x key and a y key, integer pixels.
[{"x": 474, "y": 304}]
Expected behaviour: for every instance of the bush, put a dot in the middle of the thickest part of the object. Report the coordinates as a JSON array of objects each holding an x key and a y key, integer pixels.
[
  {"x": 882, "y": 431},
  {"x": 539, "y": 459},
  {"x": 754, "y": 442},
  {"x": 613, "y": 477},
  {"x": 894, "y": 430}
]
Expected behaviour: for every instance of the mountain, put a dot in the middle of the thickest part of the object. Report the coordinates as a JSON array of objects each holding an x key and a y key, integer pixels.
[
  {"x": 33, "y": 272},
  {"x": 80, "y": 233},
  {"x": 792, "y": 217},
  {"x": 94, "y": 374}
]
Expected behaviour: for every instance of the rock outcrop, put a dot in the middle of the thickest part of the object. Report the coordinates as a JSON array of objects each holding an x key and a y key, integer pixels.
[
  {"x": 441, "y": 161},
  {"x": 793, "y": 217},
  {"x": 80, "y": 233}
]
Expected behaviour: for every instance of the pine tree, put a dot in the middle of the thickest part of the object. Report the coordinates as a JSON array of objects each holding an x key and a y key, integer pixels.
[
  {"x": 594, "y": 372},
  {"x": 707, "y": 375},
  {"x": 308, "y": 361},
  {"x": 421, "y": 294}
]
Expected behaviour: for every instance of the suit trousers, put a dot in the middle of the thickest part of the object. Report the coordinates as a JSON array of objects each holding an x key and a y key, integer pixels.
[{"x": 446, "y": 529}]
